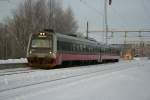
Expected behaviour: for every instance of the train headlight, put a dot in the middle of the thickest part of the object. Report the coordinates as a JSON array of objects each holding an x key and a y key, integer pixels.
[
  {"x": 50, "y": 52},
  {"x": 30, "y": 52},
  {"x": 41, "y": 33}
]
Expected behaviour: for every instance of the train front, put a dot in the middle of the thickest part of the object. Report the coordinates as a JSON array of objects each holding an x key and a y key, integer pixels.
[{"x": 41, "y": 52}]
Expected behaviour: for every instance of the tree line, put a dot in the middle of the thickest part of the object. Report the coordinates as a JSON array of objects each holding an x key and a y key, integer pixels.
[{"x": 30, "y": 17}]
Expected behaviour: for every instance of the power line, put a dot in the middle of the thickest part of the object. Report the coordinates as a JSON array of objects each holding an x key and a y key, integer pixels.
[
  {"x": 5, "y": 0},
  {"x": 91, "y": 7},
  {"x": 106, "y": 23},
  {"x": 145, "y": 8},
  {"x": 121, "y": 17}
]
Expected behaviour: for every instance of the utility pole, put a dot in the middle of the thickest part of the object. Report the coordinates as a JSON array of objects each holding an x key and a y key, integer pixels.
[
  {"x": 125, "y": 39},
  {"x": 141, "y": 44},
  {"x": 51, "y": 14},
  {"x": 87, "y": 30},
  {"x": 105, "y": 17},
  {"x": 106, "y": 23}
]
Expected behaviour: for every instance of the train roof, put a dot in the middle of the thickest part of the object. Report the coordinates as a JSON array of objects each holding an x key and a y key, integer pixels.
[
  {"x": 74, "y": 38},
  {"x": 77, "y": 39}
]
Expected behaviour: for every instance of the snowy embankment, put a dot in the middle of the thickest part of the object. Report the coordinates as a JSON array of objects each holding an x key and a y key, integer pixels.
[
  {"x": 126, "y": 80},
  {"x": 13, "y": 61}
]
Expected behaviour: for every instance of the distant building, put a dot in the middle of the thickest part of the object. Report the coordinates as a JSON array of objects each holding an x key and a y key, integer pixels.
[{"x": 135, "y": 49}]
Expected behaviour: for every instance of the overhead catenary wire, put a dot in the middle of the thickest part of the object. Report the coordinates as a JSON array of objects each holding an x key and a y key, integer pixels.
[
  {"x": 91, "y": 7},
  {"x": 97, "y": 11},
  {"x": 145, "y": 8}
]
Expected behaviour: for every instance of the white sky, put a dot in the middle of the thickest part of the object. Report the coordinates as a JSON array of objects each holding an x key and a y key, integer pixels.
[{"x": 122, "y": 13}]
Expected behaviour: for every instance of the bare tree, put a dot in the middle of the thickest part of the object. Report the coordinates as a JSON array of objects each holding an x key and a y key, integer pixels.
[
  {"x": 70, "y": 27},
  {"x": 31, "y": 17}
]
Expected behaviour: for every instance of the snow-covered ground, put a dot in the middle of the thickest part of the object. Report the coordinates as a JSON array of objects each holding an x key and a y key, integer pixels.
[
  {"x": 24, "y": 60},
  {"x": 126, "y": 80},
  {"x": 11, "y": 61}
]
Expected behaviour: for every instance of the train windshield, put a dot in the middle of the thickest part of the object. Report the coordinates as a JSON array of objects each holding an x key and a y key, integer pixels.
[{"x": 41, "y": 43}]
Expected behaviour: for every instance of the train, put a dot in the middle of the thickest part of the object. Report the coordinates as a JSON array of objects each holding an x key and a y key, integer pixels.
[{"x": 47, "y": 49}]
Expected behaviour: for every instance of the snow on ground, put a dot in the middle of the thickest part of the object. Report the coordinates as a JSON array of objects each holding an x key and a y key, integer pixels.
[
  {"x": 141, "y": 58},
  {"x": 11, "y": 61},
  {"x": 130, "y": 83}
]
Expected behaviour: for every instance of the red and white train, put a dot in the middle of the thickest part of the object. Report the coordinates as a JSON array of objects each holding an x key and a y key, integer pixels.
[{"x": 47, "y": 49}]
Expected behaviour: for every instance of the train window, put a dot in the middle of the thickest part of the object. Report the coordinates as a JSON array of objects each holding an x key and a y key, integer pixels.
[
  {"x": 103, "y": 50},
  {"x": 95, "y": 49},
  {"x": 99, "y": 49},
  {"x": 74, "y": 47},
  {"x": 80, "y": 47},
  {"x": 113, "y": 50},
  {"x": 91, "y": 49},
  {"x": 109, "y": 50},
  {"x": 106, "y": 50},
  {"x": 70, "y": 46},
  {"x": 66, "y": 46},
  {"x": 84, "y": 47},
  {"x": 63, "y": 46},
  {"x": 87, "y": 49},
  {"x": 59, "y": 47},
  {"x": 41, "y": 43}
]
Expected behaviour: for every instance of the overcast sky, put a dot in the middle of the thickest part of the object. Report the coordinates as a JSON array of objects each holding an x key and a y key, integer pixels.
[{"x": 122, "y": 13}]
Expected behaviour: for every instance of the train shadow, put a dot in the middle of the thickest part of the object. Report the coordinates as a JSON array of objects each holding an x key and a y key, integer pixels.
[
  {"x": 70, "y": 64},
  {"x": 81, "y": 64}
]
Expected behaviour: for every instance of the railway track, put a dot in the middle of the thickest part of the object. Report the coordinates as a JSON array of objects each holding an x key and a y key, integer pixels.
[
  {"x": 63, "y": 74},
  {"x": 19, "y": 70},
  {"x": 16, "y": 72},
  {"x": 15, "y": 68},
  {"x": 12, "y": 66}
]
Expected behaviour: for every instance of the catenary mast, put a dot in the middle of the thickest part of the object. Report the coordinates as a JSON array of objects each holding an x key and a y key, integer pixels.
[{"x": 105, "y": 19}]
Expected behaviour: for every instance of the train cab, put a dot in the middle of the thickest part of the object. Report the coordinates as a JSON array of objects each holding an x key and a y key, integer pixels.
[{"x": 42, "y": 49}]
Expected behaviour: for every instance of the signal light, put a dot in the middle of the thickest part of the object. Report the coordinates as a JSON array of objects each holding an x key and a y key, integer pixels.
[{"x": 110, "y": 1}]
